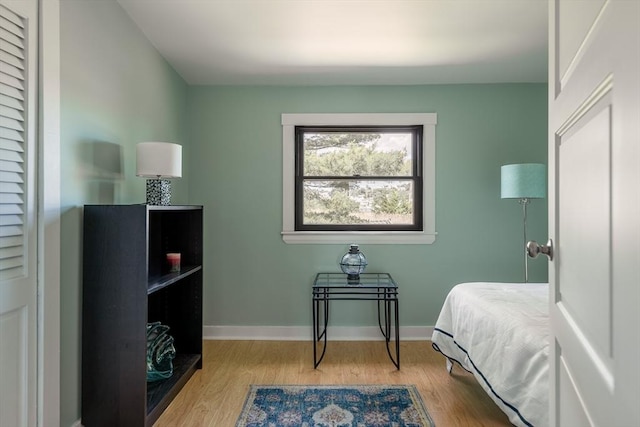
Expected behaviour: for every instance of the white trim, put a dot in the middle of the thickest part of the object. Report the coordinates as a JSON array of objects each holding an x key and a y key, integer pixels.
[
  {"x": 48, "y": 399},
  {"x": 359, "y": 119},
  {"x": 303, "y": 333},
  {"x": 290, "y": 121},
  {"x": 78, "y": 423},
  {"x": 368, "y": 237}
]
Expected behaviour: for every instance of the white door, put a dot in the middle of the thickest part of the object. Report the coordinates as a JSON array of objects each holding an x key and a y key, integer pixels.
[
  {"x": 18, "y": 233},
  {"x": 594, "y": 212}
]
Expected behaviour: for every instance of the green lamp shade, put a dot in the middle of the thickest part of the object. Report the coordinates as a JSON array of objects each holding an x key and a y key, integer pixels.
[{"x": 523, "y": 181}]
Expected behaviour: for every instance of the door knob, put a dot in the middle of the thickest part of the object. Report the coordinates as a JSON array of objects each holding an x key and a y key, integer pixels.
[{"x": 534, "y": 249}]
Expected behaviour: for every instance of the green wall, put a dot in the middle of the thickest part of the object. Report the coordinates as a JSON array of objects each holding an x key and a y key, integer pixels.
[
  {"x": 116, "y": 91},
  {"x": 253, "y": 278}
]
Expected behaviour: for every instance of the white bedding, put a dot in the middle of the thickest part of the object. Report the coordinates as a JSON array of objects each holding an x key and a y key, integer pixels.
[{"x": 499, "y": 332}]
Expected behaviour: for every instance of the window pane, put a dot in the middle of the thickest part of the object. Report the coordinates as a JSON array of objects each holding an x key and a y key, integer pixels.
[
  {"x": 357, "y": 153},
  {"x": 358, "y": 202}
]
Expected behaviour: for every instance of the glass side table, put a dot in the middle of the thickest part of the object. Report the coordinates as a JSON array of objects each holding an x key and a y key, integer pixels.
[{"x": 378, "y": 287}]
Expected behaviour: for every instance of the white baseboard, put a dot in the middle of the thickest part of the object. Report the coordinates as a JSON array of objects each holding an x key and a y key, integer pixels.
[
  {"x": 77, "y": 424},
  {"x": 303, "y": 333}
]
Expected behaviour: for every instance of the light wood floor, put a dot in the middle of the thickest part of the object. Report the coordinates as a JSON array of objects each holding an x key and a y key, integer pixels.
[{"x": 215, "y": 395}]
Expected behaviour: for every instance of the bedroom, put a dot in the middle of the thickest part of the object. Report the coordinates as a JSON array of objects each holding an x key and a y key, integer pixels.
[
  {"x": 117, "y": 91},
  {"x": 236, "y": 166}
]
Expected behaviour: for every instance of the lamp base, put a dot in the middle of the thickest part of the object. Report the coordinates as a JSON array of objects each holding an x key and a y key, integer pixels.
[{"x": 159, "y": 192}]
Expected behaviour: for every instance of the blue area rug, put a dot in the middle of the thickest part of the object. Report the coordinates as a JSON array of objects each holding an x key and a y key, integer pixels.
[{"x": 334, "y": 406}]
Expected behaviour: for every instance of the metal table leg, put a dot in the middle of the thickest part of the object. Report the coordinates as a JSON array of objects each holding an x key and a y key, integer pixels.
[
  {"x": 317, "y": 334},
  {"x": 390, "y": 304}
]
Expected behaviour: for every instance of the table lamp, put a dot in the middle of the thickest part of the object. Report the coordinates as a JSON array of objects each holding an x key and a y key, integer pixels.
[
  {"x": 158, "y": 161},
  {"x": 524, "y": 182}
]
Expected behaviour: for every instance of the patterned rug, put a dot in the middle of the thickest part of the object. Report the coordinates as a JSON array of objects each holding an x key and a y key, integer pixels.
[{"x": 334, "y": 406}]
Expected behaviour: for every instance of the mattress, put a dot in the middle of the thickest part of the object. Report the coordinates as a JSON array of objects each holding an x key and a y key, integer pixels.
[{"x": 500, "y": 333}]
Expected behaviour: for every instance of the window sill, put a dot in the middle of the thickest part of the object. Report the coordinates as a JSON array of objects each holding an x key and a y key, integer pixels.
[{"x": 362, "y": 237}]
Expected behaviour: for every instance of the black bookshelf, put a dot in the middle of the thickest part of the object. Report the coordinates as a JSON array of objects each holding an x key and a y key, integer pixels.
[{"x": 126, "y": 284}]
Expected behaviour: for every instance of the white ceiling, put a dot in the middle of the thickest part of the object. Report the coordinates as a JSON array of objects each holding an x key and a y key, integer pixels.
[{"x": 326, "y": 42}]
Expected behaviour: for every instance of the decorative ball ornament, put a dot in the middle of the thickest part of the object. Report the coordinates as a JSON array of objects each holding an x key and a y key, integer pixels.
[{"x": 353, "y": 263}]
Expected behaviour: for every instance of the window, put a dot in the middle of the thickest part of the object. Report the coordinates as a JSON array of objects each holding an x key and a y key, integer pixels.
[
  {"x": 365, "y": 178},
  {"x": 358, "y": 178}
]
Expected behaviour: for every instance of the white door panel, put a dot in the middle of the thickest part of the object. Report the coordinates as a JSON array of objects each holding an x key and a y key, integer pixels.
[
  {"x": 572, "y": 412},
  {"x": 584, "y": 225},
  {"x": 13, "y": 405},
  {"x": 580, "y": 17},
  {"x": 594, "y": 212}
]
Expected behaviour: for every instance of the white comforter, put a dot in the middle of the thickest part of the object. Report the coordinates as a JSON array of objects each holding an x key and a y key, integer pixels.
[{"x": 500, "y": 333}]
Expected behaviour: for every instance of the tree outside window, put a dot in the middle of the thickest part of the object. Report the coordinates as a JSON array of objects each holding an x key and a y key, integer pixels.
[{"x": 358, "y": 178}]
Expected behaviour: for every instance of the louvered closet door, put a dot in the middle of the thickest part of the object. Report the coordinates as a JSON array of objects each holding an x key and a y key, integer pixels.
[{"x": 18, "y": 266}]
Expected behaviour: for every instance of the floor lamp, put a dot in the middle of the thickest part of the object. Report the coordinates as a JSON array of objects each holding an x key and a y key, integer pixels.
[{"x": 524, "y": 182}]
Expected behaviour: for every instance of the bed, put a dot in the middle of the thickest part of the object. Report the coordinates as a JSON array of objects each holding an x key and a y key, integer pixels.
[{"x": 500, "y": 333}]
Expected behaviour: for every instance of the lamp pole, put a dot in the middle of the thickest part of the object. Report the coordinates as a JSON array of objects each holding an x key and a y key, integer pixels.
[{"x": 524, "y": 202}]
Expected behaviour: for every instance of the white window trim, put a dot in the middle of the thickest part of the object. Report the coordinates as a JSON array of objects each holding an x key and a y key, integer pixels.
[{"x": 427, "y": 236}]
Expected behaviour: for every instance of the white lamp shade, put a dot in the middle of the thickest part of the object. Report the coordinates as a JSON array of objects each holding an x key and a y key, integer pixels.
[
  {"x": 159, "y": 160},
  {"x": 523, "y": 181}
]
